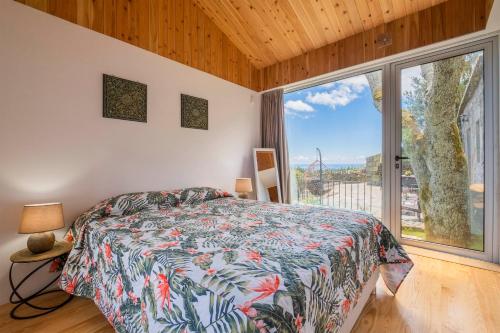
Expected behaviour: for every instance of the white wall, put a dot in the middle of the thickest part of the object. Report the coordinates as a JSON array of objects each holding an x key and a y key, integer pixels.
[
  {"x": 55, "y": 144},
  {"x": 493, "y": 23}
]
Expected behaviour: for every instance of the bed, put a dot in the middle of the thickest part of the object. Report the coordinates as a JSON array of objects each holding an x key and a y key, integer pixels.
[{"x": 200, "y": 260}]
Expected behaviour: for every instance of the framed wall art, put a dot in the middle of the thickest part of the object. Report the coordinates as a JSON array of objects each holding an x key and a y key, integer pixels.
[
  {"x": 124, "y": 99},
  {"x": 194, "y": 112}
]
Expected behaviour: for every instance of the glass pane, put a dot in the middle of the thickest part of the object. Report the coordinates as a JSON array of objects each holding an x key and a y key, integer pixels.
[
  {"x": 442, "y": 181},
  {"x": 335, "y": 143}
]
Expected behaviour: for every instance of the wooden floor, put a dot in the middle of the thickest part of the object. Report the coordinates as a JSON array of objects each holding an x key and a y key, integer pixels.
[{"x": 437, "y": 296}]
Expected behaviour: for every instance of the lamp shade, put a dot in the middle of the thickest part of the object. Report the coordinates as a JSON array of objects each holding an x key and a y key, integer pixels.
[
  {"x": 41, "y": 218},
  {"x": 243, "y": 185}
]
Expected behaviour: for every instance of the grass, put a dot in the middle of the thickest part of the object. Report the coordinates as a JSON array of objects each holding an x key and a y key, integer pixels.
[{"x": 475, "y": 243}]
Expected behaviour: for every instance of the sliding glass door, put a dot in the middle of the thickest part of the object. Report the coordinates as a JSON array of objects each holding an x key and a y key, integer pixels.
[
  {"x": 413, "y": 142},
  {"x": 443, "y": 156}
]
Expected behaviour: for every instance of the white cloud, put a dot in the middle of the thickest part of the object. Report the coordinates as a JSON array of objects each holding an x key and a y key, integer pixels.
[
  {"x": 356, "y": 83},
  {"x": 336, "y": 97},
  {"x": 299, "y": 106},
  {"x": 341, "y": 93}
]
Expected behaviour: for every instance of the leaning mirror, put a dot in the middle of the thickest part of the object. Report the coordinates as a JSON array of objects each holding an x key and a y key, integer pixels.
[{"x": 266, "y": 175}]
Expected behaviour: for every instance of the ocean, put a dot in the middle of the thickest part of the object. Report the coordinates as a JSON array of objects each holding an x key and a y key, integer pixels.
[{"x": 332, "y": 166}]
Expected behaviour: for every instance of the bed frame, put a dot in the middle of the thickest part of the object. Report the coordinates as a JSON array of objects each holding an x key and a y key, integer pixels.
[{"x": 353, "y": 315}]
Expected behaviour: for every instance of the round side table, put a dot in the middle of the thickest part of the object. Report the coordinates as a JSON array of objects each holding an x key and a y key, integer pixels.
[{"x": 26, "y": 256}]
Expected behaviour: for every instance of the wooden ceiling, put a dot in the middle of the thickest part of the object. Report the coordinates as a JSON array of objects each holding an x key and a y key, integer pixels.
[
  {"x": 175, "y": 29},
  {"x": 449, "y": 19},
  {"x": 263, "y": 44},
  {"x": 269, "y": 31}
]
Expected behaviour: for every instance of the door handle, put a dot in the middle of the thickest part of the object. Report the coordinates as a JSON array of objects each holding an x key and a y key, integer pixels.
[{"x": 399, "y": 158}]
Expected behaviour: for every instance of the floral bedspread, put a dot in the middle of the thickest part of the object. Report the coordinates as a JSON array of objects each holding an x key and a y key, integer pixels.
[{"x": 199, "y": 260}]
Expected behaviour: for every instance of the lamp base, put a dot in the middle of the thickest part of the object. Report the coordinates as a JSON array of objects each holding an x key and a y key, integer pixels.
[
  {"x": 41, "y": 242},
  {"x": 243, "y": 195}
]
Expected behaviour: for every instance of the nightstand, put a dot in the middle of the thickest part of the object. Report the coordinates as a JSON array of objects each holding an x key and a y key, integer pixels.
[{"x": 26, "y": 256}]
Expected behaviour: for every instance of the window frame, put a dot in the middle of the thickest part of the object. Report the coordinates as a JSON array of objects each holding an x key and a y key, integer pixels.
[
  {"x": 385, "y": 126},
  {"x": 390, "y": 102},
  {"x": 488, "y": 46}
]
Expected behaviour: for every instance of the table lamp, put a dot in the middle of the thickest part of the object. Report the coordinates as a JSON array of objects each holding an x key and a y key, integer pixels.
[
  {"x": 243, "y": 186},
  {"x": 39, "y": 221}
]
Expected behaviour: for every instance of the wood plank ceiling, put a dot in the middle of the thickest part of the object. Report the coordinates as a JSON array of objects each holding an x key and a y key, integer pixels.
[
  {"x": 449, "y": 19},
  {"x": 263, "y": 44},
  {"x": 268, "y": 31},
  {"x": 176, "y": 29}
]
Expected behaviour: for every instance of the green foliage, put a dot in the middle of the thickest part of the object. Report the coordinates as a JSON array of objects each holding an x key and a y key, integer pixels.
[
  {"x": 172, "y": 258},
  {"x": 139, "y": 265},
  {"x": 190, "y": 291},
  {"x": 229, "y": 257},
  {"x": 131, "y": 314},
  {"x": 224, "y": 316},
  {"x": 347, "y": 174},
  {"x": 275, "y": 316},
  {"x": 148, "y": 295},
  {"x": 324, "y": 300},
  {"x": 343, "y": 268},
  {"x": 459, "y": 148},
  {"x": 476, "y": 241},
  {"x": 175, "y": 321},
  {"x": 131, "y": 205},
  {"x": 256, "y": 270},
  {"x": 224, "y": 281},
  {"x": 294, "y": 288}
]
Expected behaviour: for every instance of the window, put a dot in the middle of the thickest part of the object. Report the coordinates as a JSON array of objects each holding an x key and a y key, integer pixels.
[
  {"x": 442, "y": 187},
  {"x": 334, "y": 135},
  {"x": 425, "y": 164}
]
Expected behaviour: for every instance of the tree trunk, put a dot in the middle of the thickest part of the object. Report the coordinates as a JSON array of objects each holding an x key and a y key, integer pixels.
[
  {"x": 447, "y": 206},
  {"x": 375, "y": 82},
  {"x": 415, "y": 146},
  {"x": 436, "y": 152}
]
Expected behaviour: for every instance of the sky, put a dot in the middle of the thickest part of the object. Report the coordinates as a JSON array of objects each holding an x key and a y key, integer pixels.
[{"x": 339, "y": 118}]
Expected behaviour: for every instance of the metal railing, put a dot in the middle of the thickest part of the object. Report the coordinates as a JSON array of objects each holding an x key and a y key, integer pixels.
[{"x": 354, "y": 195}]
